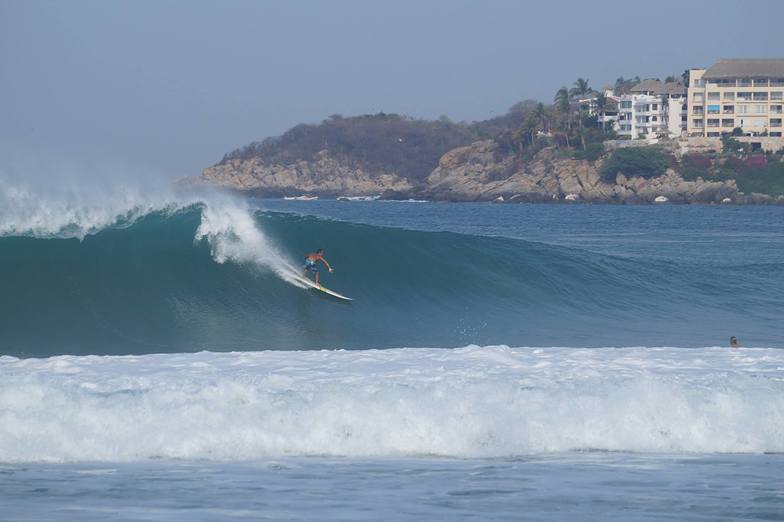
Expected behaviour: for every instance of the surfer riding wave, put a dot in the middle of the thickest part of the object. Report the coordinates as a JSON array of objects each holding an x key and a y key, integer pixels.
[{"x": 310, "y": 263}]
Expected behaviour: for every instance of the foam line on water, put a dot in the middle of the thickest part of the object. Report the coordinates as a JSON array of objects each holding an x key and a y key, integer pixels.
[{"x": 468, "y": 402}]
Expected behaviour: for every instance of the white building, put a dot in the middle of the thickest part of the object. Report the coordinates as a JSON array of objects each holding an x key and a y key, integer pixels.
[{"x": 652, "y": 109}]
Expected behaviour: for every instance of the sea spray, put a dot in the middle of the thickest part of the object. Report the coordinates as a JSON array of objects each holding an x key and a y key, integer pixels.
[{"x": 468, "y": 402}]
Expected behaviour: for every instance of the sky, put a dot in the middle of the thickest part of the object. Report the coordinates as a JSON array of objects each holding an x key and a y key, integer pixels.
[{"x": 170, "y": 86}]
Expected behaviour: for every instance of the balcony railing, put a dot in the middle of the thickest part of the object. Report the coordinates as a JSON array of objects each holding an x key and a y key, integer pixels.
[
  {"x": 728, "y": 111},
  {"x": 774, "y": 123},
  {"x": 777, "y": 83}
]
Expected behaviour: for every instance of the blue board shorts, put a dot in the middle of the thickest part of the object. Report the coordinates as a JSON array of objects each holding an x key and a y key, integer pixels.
[{"x": 311, "y": 265}]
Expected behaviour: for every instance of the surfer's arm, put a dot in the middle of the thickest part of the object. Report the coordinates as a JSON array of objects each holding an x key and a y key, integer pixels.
[{"x": 327, "y": 264}]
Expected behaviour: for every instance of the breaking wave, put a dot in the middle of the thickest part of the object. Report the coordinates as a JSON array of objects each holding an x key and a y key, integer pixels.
[{"x": 466, "y": 402}]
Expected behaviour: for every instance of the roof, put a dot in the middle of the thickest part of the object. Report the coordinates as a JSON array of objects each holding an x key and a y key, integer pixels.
[
  {"x": 659, "y": 87},
  {"x": 746, "y": 68}
]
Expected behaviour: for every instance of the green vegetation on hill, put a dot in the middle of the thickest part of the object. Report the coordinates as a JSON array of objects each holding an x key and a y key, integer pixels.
[
  {"x": 759, "y": 173},
  {"x": 387, "y": 142},
  {"x": 646, "y": 162}
]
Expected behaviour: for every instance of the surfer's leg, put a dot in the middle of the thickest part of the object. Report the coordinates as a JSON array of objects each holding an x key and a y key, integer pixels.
[{"x": 317, "y": 274}]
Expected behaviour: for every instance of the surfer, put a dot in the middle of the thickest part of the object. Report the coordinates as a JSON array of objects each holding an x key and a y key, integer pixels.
[
  {"x": 734, "y": 342},
  {"x": 310, "y": 263}
]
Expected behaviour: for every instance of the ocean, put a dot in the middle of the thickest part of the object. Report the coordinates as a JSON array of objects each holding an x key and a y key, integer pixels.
[{"x": 498, "y": 362}]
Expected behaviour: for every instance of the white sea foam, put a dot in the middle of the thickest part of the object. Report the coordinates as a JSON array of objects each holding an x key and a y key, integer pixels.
[
  {"x": 473, "y": 401},
  {"x": 227, "y": 223},
  {"x": 76, "y": 213},
  {"x": 234, "y": 236}
]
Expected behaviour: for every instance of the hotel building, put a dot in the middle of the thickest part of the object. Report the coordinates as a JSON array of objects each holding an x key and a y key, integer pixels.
[
  {"x": 652, "y": 109},
  {"x": 745, "y": 94}
]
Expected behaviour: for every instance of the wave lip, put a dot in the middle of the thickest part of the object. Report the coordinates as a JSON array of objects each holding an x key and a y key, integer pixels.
[{"x": 468, "y": 402}]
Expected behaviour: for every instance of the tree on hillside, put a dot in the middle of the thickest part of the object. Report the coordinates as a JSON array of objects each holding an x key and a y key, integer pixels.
[
  {"x": 624, "y": 85},
  {"x": 541, "y": 114},
  {"x": 601, "y": 106},
  {"x": 563, "y": 106},
  {"x": 580, "y": 90}
]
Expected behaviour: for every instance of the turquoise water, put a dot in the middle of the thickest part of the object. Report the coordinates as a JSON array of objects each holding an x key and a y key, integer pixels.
[
  {"x": 420, "y": 274},
  {"x": 499, "y": 362}
]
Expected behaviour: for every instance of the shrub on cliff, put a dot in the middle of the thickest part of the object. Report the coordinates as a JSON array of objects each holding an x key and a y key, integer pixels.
[
  {"x": 592, "y": 152},
  {"x": 646, "y": 162}
]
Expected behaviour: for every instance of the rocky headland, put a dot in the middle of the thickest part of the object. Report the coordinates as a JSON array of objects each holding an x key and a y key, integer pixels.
[
  {"x": 400, "y": 158},
  {"x": 476, "y": 172}
]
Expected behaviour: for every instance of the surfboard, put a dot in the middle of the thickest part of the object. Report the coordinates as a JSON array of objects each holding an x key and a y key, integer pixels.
[{"x": 320, "y": 288}]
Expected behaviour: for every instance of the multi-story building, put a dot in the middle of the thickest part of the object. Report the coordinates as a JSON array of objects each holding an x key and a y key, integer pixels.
[
  {"x": 745, "y": 94},
  {"x": 652, "y": 109}
]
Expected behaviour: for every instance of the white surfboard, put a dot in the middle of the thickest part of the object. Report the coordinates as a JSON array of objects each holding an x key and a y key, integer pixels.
[{"x": 324, "y": 289}]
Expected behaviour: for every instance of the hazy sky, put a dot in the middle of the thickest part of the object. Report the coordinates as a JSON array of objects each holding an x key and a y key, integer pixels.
[{"x": 172, "y": 85}]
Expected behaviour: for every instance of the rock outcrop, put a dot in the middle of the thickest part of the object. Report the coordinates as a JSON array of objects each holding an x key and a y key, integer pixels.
[
  {"x": 326, "y": 176},
  {"x": 477, "y": 172},
  {"x": 473, "y": 173}
]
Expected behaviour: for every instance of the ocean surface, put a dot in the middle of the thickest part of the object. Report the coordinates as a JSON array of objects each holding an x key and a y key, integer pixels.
[{"x": 158, "y": 361}]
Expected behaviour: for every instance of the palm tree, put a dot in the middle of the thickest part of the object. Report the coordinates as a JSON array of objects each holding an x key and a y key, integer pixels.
[
  {"x": 601, "y": 106},
  {"x": 540, "y": 113},
  {"x": 563, "y": 105},
  {"x": 581, "y": 89}
]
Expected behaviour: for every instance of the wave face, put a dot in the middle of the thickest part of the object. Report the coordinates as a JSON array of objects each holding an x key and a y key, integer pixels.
[
  {"x": 215, "y": 277},
  {"x": 465, "y": 402}
]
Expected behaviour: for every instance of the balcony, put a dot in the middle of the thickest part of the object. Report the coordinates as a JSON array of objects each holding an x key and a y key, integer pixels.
[
  {"x": 775, "y": 123},
  {"x": 776, "y": 110},
  {"x": 728, "y": 123},
  {"x": 744, "y": 83},
  {"x": 728, "y": 111},
  {"x": 777, "y": 83}
]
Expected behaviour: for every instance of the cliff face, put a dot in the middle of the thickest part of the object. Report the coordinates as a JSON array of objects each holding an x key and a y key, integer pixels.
[
  {"x": 325, "y": 175},
  {"x": 477, "y": 172}
]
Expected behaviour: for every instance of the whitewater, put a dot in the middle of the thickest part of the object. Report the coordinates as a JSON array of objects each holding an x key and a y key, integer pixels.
[
  {"x": 469, "y": 402},
  {"x": 557, "y": 361}
]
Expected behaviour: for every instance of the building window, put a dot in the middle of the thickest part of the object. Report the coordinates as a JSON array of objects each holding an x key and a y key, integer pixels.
[
  {"x": 713, "y": 109},
  {"x": 713, "y": 96},
  {"x": 728, "y": 122},
  {"x": 626, "y": 105},
  {"x": 744, "y": 96},
  {"x": 697, "y": 110},
  {"x": 713, "y": 122},
  {"x": 760, "y": 96},
  {"x": 697, "y": 123},
  {"x": 729, "y": 95},
  {"x": 775, "y": 122},
  {"x": 760, "y": 82},
  {"x": 776, "y": 134},
  {"x": 743, "y": 109},
  {"x": 728, "y": 109},
  {"x": 777, "y": 95},
  {"x": 654, "y": 118},
  {"x": 714, "y": 134},
  {"x": 776, "y": 109},
  {"x": 744, "y": 82},
  {"x": 761, "y": 109},
  {"x": 698, "y": 97}
]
